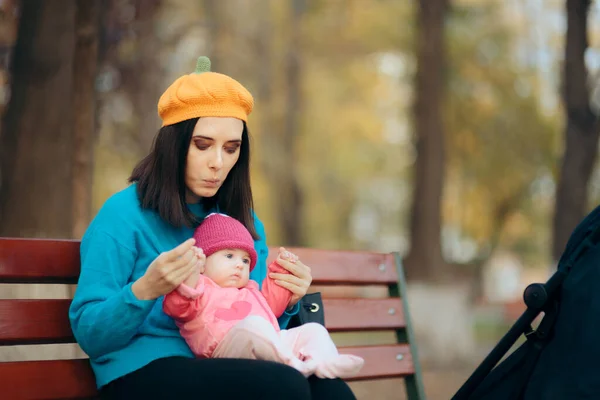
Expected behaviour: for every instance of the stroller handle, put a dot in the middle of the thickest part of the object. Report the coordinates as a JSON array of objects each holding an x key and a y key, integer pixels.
[{"x": 535, "y": 305}]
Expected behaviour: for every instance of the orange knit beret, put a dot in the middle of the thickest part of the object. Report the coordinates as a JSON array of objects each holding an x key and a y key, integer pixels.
[{"x": 204, "y": 94}]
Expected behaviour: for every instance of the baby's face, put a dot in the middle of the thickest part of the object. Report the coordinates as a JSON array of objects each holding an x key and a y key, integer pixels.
[{"x": 228, "y": 267}]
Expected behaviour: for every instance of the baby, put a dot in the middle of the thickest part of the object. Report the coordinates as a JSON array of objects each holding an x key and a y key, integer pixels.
[{"x": 221, "y": 313}]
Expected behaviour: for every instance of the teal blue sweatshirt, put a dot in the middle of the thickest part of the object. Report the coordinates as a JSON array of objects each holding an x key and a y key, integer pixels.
[{"x": 120, "y": 333}]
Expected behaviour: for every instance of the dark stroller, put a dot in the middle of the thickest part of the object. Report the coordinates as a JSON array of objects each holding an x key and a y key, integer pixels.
[{"x": 560, "y": 360}]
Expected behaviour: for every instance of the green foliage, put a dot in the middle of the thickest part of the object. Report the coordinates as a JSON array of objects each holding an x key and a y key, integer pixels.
[{"x": 500, "y": 145}]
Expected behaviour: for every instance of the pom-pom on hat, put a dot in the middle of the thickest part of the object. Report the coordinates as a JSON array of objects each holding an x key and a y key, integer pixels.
[
  {"x": 219, "y": 232},
  {"x": 204, "y": 94}
]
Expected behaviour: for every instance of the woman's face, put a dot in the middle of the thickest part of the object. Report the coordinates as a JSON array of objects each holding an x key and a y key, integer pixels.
[{"x": 214, "y": 150}]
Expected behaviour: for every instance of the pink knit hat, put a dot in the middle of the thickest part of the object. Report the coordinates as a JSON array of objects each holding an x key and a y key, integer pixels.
[{"x": 219, "y": 231}]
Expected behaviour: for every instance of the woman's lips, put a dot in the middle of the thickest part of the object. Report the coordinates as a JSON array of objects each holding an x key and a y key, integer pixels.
[{"x": 211, "y": 182}]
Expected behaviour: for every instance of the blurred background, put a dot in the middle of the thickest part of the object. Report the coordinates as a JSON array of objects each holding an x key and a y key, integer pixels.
[{"x": 461, "y": 133}]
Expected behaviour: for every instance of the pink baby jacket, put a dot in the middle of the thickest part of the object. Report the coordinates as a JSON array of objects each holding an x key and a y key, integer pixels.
[{"x": 206, "y": 313}]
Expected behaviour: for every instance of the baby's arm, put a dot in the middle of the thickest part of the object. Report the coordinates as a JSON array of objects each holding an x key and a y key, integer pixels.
[
  {"x": 183, "y": 303},
  {"x": 277, "y": 297}
]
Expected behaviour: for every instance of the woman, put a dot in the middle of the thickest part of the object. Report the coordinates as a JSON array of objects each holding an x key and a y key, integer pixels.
[{"x": 138, "y": 248}]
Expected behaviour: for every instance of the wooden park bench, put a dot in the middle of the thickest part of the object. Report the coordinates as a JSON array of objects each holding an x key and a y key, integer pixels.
[{"x": 29, "y": 321}]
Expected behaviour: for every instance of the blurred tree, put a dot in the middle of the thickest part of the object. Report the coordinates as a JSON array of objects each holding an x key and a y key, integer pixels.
[
  {"x": 131, "y": 74},
  {"x": 219, "y": 34},
  {"x": 582, "y": 130},
  {"x": 424, "y": 260},
  {"x": 9, "y": 21},
  {"x": 280, "y": 125},
  {"x": 85, "y": 63},
  {"x": 37, "y": 127},
  {"x": 266, "y": 114},
  {"x": 146, "y": 72},
  {"x": 352, "y": 158},
  {"x": 500, "y": 146},
  {"x": 136, "y": 53},
  {"x": 289, "y": 193}
]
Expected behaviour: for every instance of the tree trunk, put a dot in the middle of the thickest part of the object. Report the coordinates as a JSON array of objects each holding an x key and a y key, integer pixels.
[
  {"x": 219, "y": 32},
  {"x": 85, "y": 65},
  {"x": 582, "y": 131},
  {"x": 289, "y": 194},
  {"x": 264, "y": 61},
  {"x": 35, "y": 192},
  {"x": 149, "y": 74},
  {"x": 425, "y": 261},
  {"x": 36, "y": 146}
]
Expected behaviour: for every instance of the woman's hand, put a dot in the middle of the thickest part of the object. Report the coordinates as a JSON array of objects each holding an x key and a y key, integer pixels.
[
  {"x": 299, "y": 278},
  {"x": 167, "y": 271}
]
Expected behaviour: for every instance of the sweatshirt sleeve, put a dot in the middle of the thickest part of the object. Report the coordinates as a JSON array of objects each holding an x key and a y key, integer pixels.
[
  {"x": 183, "y": 303},
  {"x": 104, "y": 313},
  {"x": 277, "y": 297}
]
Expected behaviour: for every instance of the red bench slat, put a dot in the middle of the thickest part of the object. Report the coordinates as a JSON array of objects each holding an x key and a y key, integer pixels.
[
  {"x": 57, "y": 261},
  {"x": 46, "y": 321},
  {"x": 35, "y": 322},
  {"x": 38, "y": 261},
  {"x": 363, "y": 314},
  {"x": 345, "y": 267},
  {"x": 56, "y": 379},
  {"x": 387, "y": 361}
]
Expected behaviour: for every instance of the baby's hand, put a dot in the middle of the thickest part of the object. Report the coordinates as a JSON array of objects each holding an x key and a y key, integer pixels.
[
  {"x": 201, "y": 259},
  {"x": 194, "y": 277}
]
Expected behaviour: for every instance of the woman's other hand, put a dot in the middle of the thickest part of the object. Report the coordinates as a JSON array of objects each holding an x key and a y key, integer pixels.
[
  {"x": 167, "y": 271},
  {"x": 299, "y": 278}
]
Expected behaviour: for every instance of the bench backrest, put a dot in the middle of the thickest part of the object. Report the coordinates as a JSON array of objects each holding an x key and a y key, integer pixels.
[{"x": 29, "y": 321}]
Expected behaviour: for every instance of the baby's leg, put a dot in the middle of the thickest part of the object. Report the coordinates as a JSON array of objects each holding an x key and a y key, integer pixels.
[
  {"x": 312, "y": 344},
  {"x": 255, "y": 338}
]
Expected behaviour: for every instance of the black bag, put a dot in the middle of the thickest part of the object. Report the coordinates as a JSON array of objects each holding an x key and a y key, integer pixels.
[
  {"x": 311, "y": 310},
  {"x": 560, "y": 359}
]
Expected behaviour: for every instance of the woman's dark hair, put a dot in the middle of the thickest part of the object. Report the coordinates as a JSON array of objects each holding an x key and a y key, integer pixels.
[{"x": 160, "y": 177}]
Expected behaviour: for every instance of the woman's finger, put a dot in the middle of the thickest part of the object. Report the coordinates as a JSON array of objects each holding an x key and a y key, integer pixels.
[
  {"x": 187, "y": 258},
  {"x": 298, "y": 268},
  {"x": 288, "y": 278},
  {"x": 181, "y": 274},
  {"x": 177, "y": 252},
  {"x": 295, "y": 289}
]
